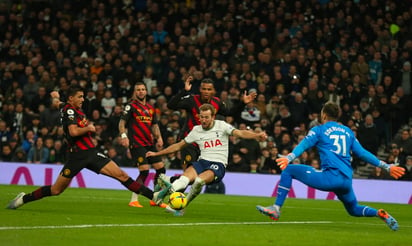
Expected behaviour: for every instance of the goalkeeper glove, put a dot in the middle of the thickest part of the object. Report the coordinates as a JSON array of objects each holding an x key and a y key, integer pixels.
[
  {"x": 284, "y": 161},
  {"x": 393, "y": 170}
]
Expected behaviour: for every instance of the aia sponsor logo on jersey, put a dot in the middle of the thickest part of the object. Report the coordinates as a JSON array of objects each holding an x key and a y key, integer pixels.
[{"x": 212, "y": 143}]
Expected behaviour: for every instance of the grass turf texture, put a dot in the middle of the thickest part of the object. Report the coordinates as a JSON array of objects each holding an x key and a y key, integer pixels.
[{"x": 102, "y": 217}]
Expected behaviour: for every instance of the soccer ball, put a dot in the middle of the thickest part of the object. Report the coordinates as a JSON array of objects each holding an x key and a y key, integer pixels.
[{"x": 177, "y": 200}]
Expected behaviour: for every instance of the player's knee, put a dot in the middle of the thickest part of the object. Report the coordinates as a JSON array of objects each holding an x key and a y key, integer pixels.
[
  {"x": 55, "y": 191},
  {"x": 122, "y": 176}
]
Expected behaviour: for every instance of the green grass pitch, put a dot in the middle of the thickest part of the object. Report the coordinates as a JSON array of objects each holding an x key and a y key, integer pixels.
[{"x": 102, "y": 217}]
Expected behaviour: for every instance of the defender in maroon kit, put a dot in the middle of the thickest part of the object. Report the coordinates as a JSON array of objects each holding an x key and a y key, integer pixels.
[
  {"x": 82, "y": 153},
  {"x": 191, "y": 103},
  {"x": 137, "y": 125}
]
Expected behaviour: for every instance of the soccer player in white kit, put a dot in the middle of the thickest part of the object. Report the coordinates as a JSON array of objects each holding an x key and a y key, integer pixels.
[{"x": 212, "y": 136}]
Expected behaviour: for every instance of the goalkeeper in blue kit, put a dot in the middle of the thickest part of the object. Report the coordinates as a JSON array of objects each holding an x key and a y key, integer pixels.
[{"x": 335, "y": 143}]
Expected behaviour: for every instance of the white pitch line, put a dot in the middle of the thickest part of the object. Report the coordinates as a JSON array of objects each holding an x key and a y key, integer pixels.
[{"x": 4, "y": 228}]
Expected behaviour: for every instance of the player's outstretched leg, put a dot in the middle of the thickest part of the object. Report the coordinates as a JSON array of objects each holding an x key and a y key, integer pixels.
[
  {"x": 16, "y": 202},
  {"x": 162, "y": 180},
  {"x": 388, "y": 219},
  {"x": 174, "y": 211},
  {"x": 196, "y": 189},
  {"x": 272, "y": 211},
  {"x": 158, "y": 196}
]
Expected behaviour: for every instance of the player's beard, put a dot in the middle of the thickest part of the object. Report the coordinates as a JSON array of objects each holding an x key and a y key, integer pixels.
[
  {"x": 206, "y": 99},
  {"x": 142, "y": 99},
  {"x": 208, "y": 126}
]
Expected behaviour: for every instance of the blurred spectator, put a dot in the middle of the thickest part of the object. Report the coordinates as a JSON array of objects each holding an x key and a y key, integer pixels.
[
  {"x": 368, "y": 135},
  {"x": 284, "y": 118},
  {"x": 19, "y": 156},
  {"x": 396, "y": 114},
  {"x": 173, "y": 160},
  {"x": 34, "y": 125},
  {"x": 57, "y": 153},
  {"x": 388, "y": 85},
  {"x": 90, "y": 103},
  {"x": 28, "y": 141},
  {"x": 250, "y": 114},
  {"x": 286, "y": 143},
  {"x": 249, "y": 149},
  {"x": 38, "y": 153},
  {"x": 404, "y": 141},
  {"x": 406, "y": 81},
  {"x": 6, "y": 153},
  {"x": 361, "y": 68},
  {"x": 31, "y": 88},
  {"x": 112, "y": 153},
  {"x": 396, "y": 156},
  {"x": 50, "y": 117},
  {"x": 237, "y": 164},
  {"x": 107, "y": 104},
  {"x": 299, "y": 108},
  {"x": 20, "y": 119},
  {"x": 381, "y": 127},
  {"x": 270, "y": 166},
  {"x": 408, "y": 168},
  {"x": 378, "y": 173},
  {"x": 5, "y": 133},
  {"x": 41, "y": 98}
]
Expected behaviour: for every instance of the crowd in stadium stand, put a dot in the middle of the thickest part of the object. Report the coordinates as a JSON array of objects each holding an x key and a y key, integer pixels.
[{"x": 296, "y": 55}]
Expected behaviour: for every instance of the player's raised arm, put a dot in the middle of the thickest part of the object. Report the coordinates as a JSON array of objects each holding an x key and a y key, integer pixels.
[
  {"x": 247, "y": 98},
  {"x": 176, "y": 102},
  {"x": 171, "y": 149},
  {"x": 261, "y": 136},
  {"x": 188, "y": 83},
  {"x": 393, "y": 170}
]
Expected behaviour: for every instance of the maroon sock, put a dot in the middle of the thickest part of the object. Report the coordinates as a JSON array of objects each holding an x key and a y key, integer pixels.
[
  {"x": 38, "y": 194},
  {"x": 142, "y": 176},
  {"x": 138, "y": 188}
]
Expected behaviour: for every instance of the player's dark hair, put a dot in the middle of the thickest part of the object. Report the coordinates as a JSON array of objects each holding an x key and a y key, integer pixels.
[
  {"x": 208, "y": 106},
  {"x": 208, "y": 81},
  {"x": 73, "y": 89},
  {"x": 140, "y": 83},
  {"x": 331, "y": 109}
]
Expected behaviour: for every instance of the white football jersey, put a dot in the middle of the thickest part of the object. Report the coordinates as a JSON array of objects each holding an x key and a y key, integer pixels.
[{"x": 213, "y": 143}]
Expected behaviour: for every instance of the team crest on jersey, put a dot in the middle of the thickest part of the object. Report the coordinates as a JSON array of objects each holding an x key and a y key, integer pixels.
[
  {"x": 66, "y": 172},
  {"x": 127, "y": 108},
  {"x": 70, "y": 114},
  {"x": 188, "y": 158},
  {"x": 140, "y": 159},
  {"x": 82, "y": 122}
]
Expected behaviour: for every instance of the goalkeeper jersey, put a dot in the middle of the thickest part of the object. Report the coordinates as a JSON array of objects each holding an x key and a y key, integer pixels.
[{"x": 335, "y": 143}]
